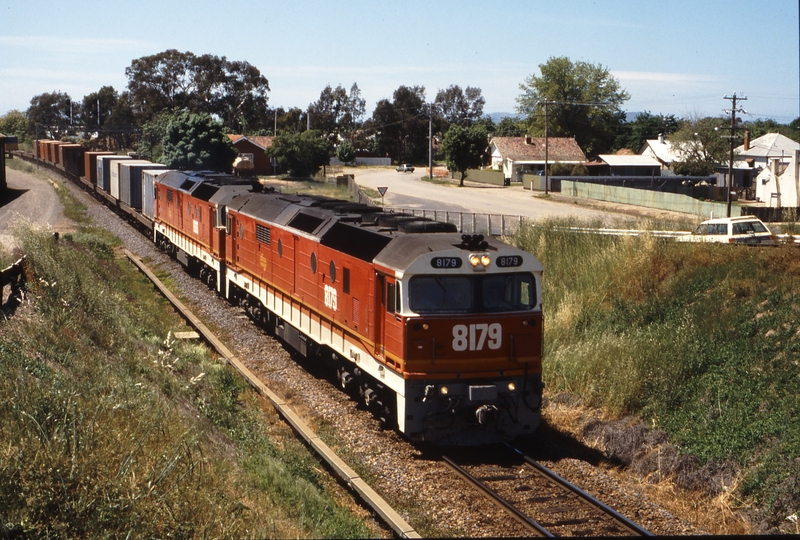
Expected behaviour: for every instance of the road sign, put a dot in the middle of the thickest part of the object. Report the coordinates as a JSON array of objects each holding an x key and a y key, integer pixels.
[{"x": 382, "y": 190}]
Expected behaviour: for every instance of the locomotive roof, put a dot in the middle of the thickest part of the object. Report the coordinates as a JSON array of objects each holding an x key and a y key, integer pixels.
[{"x": 369, "y": 241}]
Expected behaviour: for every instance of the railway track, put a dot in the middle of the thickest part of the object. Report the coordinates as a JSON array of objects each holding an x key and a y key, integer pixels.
[{"x": 543, "y": 502}]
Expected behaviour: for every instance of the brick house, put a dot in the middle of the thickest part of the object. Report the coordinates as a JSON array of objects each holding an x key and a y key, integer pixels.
[{"x": 254, "y": 148}]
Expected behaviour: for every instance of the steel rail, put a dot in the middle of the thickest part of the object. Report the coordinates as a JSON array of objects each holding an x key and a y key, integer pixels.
[
  {"x": 526, "y": 521},
  {"x": 344, "y": 471},
  {"x": 544, "y": 471}
]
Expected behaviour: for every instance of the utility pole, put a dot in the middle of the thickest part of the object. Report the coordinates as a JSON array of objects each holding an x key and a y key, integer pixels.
[
  {"x": 546, "y": 150},
  {"x": 430, "y": 140},
  {"x": 733, "y": 110}
]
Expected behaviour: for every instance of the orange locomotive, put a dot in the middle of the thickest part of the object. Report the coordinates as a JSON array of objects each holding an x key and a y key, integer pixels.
[{"x": 440, "y": 334}]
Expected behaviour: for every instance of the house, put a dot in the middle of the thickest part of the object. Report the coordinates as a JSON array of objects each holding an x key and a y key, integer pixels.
[
  {"x": 516, "y": 156},
  {"x": 759, "y": 152},
  {"x": 254, "y": 148},
  {"x": 779, "y": 184},
  {"x": 661, "y": 150},
  {"x": 628, "y": 165}
]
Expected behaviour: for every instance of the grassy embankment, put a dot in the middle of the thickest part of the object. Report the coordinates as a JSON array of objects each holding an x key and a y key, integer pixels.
[
  {"x": 701, "y": 341},
  {"x": 110, "y": 428}
]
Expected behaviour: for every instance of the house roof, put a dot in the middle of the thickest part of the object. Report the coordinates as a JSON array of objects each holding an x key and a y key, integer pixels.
[
  {"x": 769, "y": 145},
  {"x": 261, "y": 142},
  {"x": 663, "y": 150},
  {"x": 518, "y": 149},
  {"x": 619, "y": 160}
]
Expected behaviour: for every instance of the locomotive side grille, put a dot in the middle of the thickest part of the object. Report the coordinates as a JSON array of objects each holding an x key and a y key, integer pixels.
[
  {"x": 356, "y": 311},
  {"x": 263, "y": 234}
]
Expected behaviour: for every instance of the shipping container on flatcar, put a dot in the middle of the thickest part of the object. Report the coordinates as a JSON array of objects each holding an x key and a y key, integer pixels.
[
  {"x": 149, "y": 177},
  {"x": 71, "y": 159},
  {"x": 130, "y": 181},
  {"x": 115, "y": 175},
  {"x": 90, "y": 164},
  {"x": 104, "y": 170}
]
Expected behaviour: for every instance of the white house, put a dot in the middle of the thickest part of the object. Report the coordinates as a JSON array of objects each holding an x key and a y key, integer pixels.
[
  {"x": 759, "y": 152},
  {"x": 777, "y": 185},
  {"x": 519, "y": 155},
  {"x": 661, "y": 150}
]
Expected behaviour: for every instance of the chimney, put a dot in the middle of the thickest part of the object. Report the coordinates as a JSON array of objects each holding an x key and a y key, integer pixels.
[
  {"x": 661, "y": 138},
  {"x": 527, "y": 139},
  {"x": 746, "y": 140}
]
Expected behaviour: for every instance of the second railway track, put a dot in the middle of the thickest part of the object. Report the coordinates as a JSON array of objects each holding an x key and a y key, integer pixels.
[{"x": 543, "y": 502}]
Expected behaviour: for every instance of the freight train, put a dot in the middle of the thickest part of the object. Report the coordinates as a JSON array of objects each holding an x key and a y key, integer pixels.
[{"x": 438, "y": 333}]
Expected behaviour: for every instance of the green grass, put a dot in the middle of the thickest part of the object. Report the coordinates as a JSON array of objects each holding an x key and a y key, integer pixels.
[
  {"x": 111, "y": 428},
  {"x": 700, "y": 340}
]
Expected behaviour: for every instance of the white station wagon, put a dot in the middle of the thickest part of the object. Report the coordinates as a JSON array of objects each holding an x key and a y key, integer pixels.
[{"x": 735, "y": 230}]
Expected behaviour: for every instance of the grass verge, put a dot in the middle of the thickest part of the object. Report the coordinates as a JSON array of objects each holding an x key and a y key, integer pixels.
[
  {"x": 698, "y": 340},
  {"x": 112, "y": 428}
]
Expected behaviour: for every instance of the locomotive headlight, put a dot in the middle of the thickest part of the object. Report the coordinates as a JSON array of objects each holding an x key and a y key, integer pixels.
[
  {"x": 512, "y": 387},
  {"x": 444, "y": 390},
  {"x": 485, "y": 260},
  {"x": 425, "y": 326},
  {"x": 474, "y": 260}
]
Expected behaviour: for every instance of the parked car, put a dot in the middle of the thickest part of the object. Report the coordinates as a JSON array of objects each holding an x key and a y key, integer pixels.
[
  {"x": 405, "y": 167},
  {"x": 735, "y": 230}
]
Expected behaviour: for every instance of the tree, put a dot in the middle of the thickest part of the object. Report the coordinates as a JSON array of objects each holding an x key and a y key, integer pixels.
[
  {"x": 509, "y": 127},
  {"x": 235, "y": 91},
  {"x": 52, "y": 110},
  {"x": 346, "y": 152},
  {"x": 401, "y": 126},
  {"x": 337, "y": 112},
  {"x": 645, "y": 126},
  {"x": 301, "y": 154},
  {"x": 101, "y": 102},
  {"x": 14, "y": 123},
  {"x": 460, "y": 107},
  {"x": 197, "y": 141},
  {"x": 464, "y": 148},
  {"x": 583, "y": 101},
  {"x": 701, "y": 145}
]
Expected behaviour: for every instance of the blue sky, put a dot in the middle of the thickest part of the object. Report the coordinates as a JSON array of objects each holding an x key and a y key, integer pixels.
[{"x": 673, "y": 57}]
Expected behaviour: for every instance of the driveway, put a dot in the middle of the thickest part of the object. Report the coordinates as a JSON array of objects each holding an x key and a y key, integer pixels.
[{"x": 407, "y": 190}]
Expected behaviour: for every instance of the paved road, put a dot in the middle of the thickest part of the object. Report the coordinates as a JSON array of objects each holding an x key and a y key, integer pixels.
[
  {"x": 28, "y": 198},
  {"x": 407, "y": 190}
]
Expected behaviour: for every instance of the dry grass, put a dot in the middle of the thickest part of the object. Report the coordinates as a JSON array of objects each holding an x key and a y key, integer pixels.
[{"x": 719, "y": 513}]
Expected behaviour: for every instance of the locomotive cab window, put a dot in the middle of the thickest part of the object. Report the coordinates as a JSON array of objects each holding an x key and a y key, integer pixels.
[{"x": 473, "y": 294}]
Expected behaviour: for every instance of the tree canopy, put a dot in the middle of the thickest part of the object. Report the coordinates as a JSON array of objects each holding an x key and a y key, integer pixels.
[
  {"x": 235, "y": 91},
  {"x": 197, "y": 141},
  {"x": 645, "y": 126},
  {"x": 460, "y": 107},
  {"x": 337, "y": 112},
  {"x": 583, "y": 101},
  {"x": 300, "y": 154},
  {"x": 51, "y": 109},
  {"x": 400, "y": 126},
  {"x": 702, "y": 145},
  {"x": 464, "y": 148}
]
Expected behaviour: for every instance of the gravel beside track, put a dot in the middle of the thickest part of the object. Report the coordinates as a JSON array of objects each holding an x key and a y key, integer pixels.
[{"x": 424, "y": 492}]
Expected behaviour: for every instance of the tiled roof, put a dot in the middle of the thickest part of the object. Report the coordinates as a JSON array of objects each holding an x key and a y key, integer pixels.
[
  {"x": 262, "y": 142},
  {"x": 559, "y": 149}
]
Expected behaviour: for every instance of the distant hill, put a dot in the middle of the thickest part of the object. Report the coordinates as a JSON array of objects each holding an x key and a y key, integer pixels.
[{"x": 498, "y": 116}]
